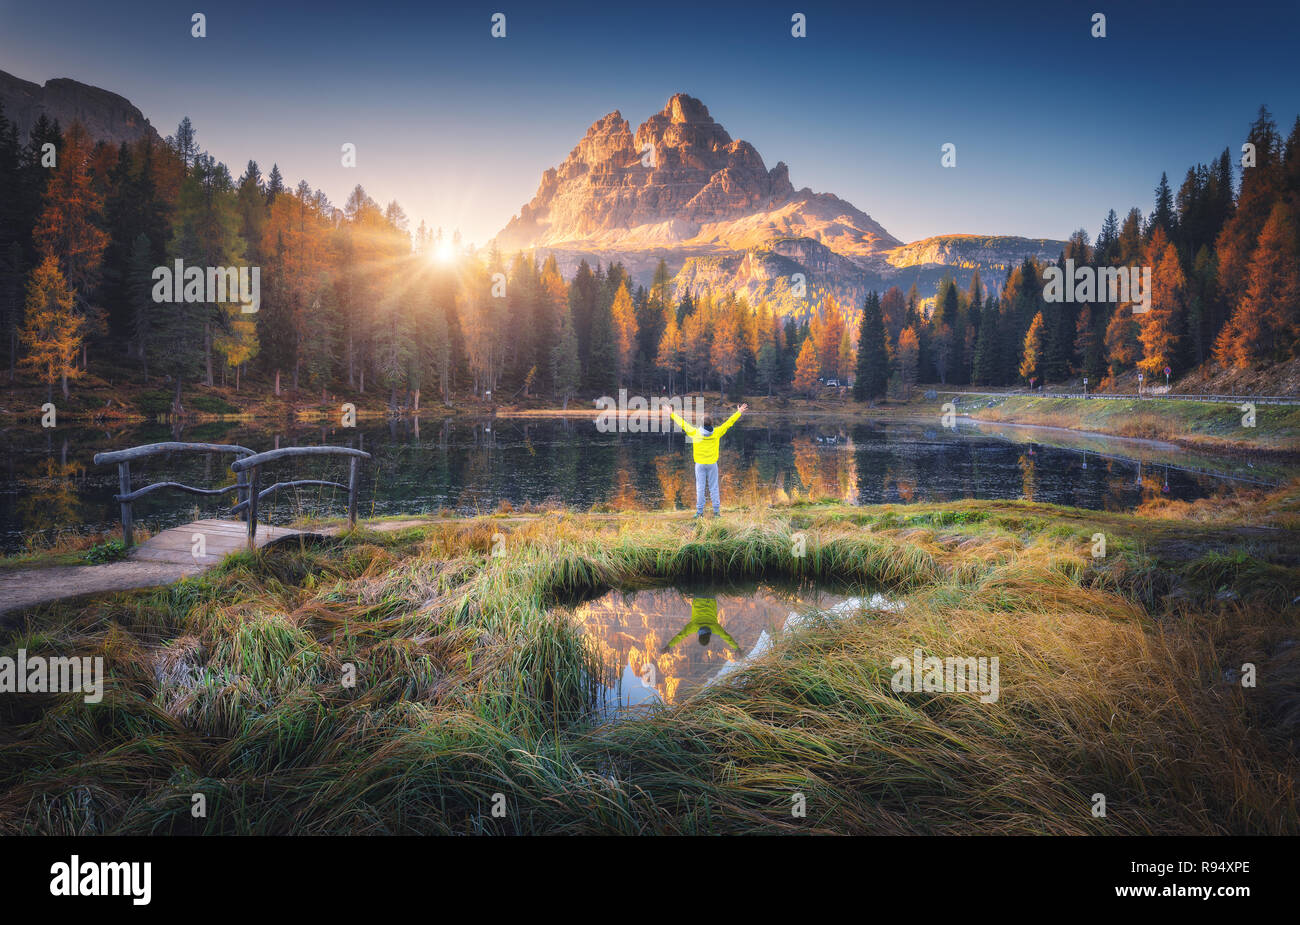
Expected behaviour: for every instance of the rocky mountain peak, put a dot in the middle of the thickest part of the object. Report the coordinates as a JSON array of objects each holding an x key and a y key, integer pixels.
[
  {"x": 105, "y": 115},
  {"x": 681, "y": 173},
  {"x": 686, "y": 108}
]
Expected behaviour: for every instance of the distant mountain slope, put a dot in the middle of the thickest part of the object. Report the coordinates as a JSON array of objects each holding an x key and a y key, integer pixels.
[
  {"x": 106, "y": 116},
  {"x": 682, "y": 190},
  {"x": 971, "y": 250}
]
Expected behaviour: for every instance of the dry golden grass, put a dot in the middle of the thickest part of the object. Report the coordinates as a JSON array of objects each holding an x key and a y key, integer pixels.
[{"x": 470, "y": 683}]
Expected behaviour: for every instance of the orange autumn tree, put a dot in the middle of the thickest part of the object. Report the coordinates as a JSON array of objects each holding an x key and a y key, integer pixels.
[
  {"x": 1160, "y": 326},
  {"x": 909, "y": 353},
  {"x": 1122, "y": 346},
  {"x": 806, "y": 367},
  {"x": 1033, "y": 352},
  {"x": 1268, "y": 316},
  {"x": 827, "y": 331},
  {"x": 671, "y": 350},
  {"x": 625, "y": 331},
  {"x": 67, "y": 227},
  {"x": 52, "y": 330},
  {"x": 726, "y": 351}
]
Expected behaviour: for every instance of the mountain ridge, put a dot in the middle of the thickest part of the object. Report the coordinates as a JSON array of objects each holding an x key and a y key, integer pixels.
[
  {"x": 679, "y": 181},
  {"x": 106, "y": 116},
  {"x": 683, "y": 190}
]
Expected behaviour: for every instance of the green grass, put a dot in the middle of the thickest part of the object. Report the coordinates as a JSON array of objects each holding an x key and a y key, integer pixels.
[
  {"x": 1210, "y": 425},
  {"x": 470, "y": 683},
  {"x": 111, "y": 551}
]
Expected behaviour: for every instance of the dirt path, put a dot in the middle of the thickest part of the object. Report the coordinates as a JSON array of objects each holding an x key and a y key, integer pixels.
[
  {"x": 24, "y": 588},
  {"x": 161, "y": 560}
]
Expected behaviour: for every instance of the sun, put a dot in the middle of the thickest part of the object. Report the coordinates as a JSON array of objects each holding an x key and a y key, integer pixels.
[{"x": 444, "y": 252}]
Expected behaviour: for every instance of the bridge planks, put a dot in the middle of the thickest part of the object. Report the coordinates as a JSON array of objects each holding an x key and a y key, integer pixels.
[{"x": 220, "y": 538}]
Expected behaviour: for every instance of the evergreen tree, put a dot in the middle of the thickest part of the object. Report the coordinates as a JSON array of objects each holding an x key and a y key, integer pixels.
[
  {"x": 12, "y": 299},
  {"x": 206, "y": 234},
  {"x": 566, "y": 370},
  {"x": 274, "y": 184},
  {"x": 582, "y": 306},
  {"x": 871, "y": 377},
  {"x": 184, "y": 143},
  {"x": 769, "y": 366},
  {"x": 948, "y": 333},
  {"x": 138, "y": 298},
  {"x": 1163, "y": 215},
  {"x": 986, "y": 371},
  {"x": 1107, "y": 247},
  {"x": 602, "y": 365},
  {"x": 1090, "y": 341}
]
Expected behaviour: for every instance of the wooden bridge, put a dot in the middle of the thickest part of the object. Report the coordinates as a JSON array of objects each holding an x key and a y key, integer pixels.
[
  {"x": 180, "y": 551},
  {"x": 226, "y": 535},
  {"x": 182, "y": 545}
]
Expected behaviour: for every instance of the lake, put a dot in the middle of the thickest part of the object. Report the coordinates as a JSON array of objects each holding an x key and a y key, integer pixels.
[{"x": 50, "y": 484}]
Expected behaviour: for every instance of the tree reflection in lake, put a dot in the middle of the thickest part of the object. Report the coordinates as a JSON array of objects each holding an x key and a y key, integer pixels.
[{"x": 473, "y": 465}]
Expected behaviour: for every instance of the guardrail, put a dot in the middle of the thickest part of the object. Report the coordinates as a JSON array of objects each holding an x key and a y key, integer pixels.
[{"x": 247, "y": 468}]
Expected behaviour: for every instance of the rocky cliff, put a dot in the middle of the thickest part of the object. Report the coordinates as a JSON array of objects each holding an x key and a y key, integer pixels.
[
  {"x": 106, "y": 116},
  {"x": 680, "y": 182},
  {"x": 683, "y": 190}
]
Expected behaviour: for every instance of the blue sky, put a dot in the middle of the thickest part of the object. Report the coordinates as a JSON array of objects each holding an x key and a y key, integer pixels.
[{"x": 1052, "y": 126}]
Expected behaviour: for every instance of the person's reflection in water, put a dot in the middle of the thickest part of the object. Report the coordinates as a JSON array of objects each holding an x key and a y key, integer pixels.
[{"x": 703, "y": 622}]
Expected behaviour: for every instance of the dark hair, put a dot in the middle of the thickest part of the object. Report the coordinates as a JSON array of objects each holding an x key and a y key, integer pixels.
[
  {"x": 705, "y": 634},
  {"x": 707, "y": 422}
]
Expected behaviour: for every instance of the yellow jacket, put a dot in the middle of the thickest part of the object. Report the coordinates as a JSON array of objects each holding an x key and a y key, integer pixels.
[
  {"x": 706, "y": 445},
  {"x": 704, "y": 612}
]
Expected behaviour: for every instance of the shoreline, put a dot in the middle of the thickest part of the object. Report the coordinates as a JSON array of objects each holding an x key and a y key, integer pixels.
[{"x": 1278, "y": 438}]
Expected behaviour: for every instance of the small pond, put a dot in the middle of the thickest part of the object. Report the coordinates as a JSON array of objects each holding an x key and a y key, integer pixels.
[{"x": 657, "y": 646}]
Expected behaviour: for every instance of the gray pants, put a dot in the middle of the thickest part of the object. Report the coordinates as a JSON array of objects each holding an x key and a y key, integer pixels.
[{"x": 706, "y": 483}]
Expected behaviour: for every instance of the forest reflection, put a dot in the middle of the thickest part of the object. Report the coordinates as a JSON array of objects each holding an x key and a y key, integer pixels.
[{"x": 475, "y": 466}]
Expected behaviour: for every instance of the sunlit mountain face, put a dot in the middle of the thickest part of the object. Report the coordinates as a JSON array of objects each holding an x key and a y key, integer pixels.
[{"x": 681, "y": 189}]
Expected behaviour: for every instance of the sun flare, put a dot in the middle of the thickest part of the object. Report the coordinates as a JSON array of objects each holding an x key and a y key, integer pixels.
[{"x": 443, "y": 252}]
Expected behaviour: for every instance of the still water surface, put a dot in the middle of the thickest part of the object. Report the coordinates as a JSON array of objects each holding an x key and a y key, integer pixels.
[
  {"x": 661, "y": 645},
  {"x": 49, "y": 483}
]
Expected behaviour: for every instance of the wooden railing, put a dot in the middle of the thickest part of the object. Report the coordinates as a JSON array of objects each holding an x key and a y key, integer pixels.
[
  {"x": 253, "y": 466},
  {"x": 124, "y": 458},
  {"x": 247, "y": 469}
]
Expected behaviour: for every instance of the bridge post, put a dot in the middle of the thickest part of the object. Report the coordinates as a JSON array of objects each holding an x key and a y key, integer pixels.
[
  {"x": 241, "y": 492},
  {"x": 354, "y": 478},
  {"x": 124, "y": 489},
  {"x": 252, "y": 508}
]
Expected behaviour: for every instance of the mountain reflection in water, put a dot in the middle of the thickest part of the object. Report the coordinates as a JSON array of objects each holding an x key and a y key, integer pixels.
[{"x": 653, "y": 651}]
